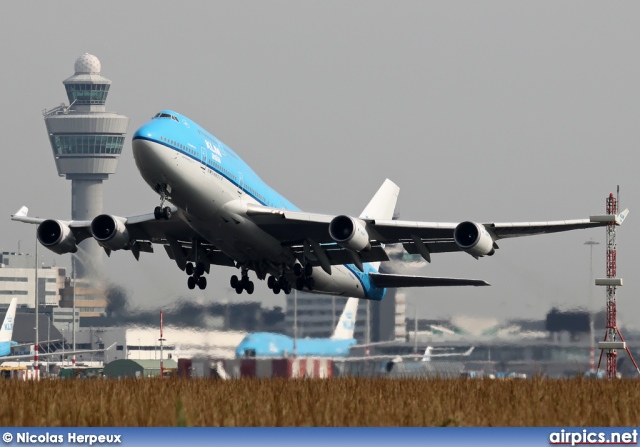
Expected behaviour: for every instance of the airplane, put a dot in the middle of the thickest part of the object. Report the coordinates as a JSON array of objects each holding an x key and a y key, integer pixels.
[
  {"x": 222, "y": 213},
  {"x": 6, "y": 331},
  {"x": 397, "y": 358},
  {"x": 6, "y": 344},
  {"x": 268, "y": 344}
]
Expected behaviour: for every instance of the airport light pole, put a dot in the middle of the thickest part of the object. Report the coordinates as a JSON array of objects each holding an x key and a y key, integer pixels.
[
  {"x": 73, "y": 299},
  {"x": 415, "y": 326},
  {"x": 37, "y": 303},
  {"x": 368, "y": 322},
  {"x": 295, "y": 322}
]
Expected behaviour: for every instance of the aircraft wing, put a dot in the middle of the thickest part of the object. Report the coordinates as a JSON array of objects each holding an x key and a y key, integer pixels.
[
  {"x": 296, "y": 228},
  {"x": 145, "y": 230},
  {"x": 400, "y": 358},
  {"x": 7, "y": 358}
]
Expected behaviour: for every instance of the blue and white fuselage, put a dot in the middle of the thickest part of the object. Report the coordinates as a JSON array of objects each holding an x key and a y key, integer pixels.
[
  {"x": 211, "y": 186},
  {"x": 266, "y": 344}
]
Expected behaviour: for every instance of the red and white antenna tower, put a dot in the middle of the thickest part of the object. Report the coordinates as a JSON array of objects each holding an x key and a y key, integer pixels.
[{"x": 610, "y": 343}]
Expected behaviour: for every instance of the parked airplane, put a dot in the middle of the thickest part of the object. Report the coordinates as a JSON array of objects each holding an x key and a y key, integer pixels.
[
  {"x": 224, "y": 214},
  {"x": 6, "y": 333},
  {"x": 268, "y": 344}
]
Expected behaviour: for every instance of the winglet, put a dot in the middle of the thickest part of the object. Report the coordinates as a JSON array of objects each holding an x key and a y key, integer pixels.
[
  {"x": 607, "y": 218},
  {"x": 622, "y": 216},
  {"x": 22, "y": 212}
]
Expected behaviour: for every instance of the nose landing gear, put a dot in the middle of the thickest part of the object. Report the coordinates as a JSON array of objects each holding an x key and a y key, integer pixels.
[{"x": 162, "y": 212}]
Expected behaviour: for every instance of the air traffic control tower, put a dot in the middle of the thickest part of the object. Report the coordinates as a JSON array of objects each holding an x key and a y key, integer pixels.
[{"x": 86, "y": 142}]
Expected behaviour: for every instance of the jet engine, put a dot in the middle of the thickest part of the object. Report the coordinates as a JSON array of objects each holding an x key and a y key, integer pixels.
[
  {"x": 110, "y": 232},
  {"x": 57, "y": 237},
  {"x": 474, "y": 239},
  {"x": 350, "y": 233}
]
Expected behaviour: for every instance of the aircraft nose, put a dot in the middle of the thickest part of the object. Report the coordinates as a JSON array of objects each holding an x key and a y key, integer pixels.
[{"x": 148, "y": 130}]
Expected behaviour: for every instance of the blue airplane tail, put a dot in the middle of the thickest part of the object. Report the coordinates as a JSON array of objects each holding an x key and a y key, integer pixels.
[{"x": 6, "y": 332}]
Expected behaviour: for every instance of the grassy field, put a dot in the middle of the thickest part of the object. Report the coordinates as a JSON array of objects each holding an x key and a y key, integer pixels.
[{"x": 332, "y": 402}]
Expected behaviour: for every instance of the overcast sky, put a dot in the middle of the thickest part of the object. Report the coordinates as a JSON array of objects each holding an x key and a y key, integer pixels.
[{"x": 485, "y": 111}]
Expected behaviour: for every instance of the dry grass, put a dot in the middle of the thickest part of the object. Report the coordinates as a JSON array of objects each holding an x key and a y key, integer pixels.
[{"x": 333, "y": 402}]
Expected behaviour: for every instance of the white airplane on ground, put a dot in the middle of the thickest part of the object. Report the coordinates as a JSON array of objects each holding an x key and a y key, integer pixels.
[
  {"x": 224, "y": 214},
  {"x": 6, "y": 333}
]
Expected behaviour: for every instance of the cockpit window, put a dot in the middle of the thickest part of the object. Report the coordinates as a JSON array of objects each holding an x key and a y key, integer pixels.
[{"x": 166, "y": 115}]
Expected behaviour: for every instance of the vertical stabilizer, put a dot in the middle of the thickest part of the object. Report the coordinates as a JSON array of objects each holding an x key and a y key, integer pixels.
[
  {"x": 347, "y": 322},
  {"x": 383, "y": 203},
  {"x": 6, "y": 332}
]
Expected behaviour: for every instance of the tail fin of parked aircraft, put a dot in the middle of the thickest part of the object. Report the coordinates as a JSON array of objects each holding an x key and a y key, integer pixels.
[
  {"x": 347, "y": 322},
  {"x": 6, "y": 332}
]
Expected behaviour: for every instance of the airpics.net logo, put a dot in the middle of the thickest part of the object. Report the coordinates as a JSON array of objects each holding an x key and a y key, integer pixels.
[
  {"x": 70, "y": 438},
  {"x": 589, "y": 437}
]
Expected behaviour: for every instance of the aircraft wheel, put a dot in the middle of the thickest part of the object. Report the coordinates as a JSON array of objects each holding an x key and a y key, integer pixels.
[
  {"x": 239, "y": 289},
  {"x": 166, "y": 212},
  {"x": 297, "y": 270},
  {"x": 311, "y": 283},
  {"x": 234, "y": 282},
  {"x": 191, "y": 282},
  {"x": 202, "y": 283},
  {"x": 271, "y": 282},
  {"x": 299, "y": 283},
  {"x": 287, "y": 288},
  {"x": 282, "y": 282},
  {"x": 157, "y": 213},
  {"x": 276, "y": 289},
  {"x": 199, "y": 269},
  {"x": 249, "y": 287},
  {"x": 308, "y": 269},
  {"x": 189, "y": 269}
]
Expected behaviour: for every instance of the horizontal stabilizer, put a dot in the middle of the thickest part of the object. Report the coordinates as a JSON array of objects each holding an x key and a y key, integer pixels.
[{"x": 387, "y": 280}]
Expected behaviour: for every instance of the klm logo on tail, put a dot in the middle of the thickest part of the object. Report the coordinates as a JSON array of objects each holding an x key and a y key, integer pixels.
[
  {"x": 6, "y": 330},
  {"x": 349, "y": 322},
  {"x": 8, "y": 324}
]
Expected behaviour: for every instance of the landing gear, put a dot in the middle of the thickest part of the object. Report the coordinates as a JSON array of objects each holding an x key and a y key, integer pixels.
[
  {"x": 242, "y": 284},
  {"x": 196, "y": 276},
  {"x": 304, "y": 276},
  {"x": 162, "y": 212},
  {"x": 277, "y": 284}
]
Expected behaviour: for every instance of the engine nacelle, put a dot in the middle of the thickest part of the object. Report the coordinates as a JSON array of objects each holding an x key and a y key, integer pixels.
[
  {"x": 57, "y": 237},
  {"x": 110, "y": 232},
  {"x": 474, "y": 239},
  {"x": 350, "y": 233}
]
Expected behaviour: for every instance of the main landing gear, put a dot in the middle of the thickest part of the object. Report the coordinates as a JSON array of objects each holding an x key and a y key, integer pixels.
[
  {"x": 196, "y": 276},
  {"x": 304, "y": 276},
  {"x": 162, "y": 212},
  {"x": 244, "y": 283},
  {"x": 279, "y": 284}
]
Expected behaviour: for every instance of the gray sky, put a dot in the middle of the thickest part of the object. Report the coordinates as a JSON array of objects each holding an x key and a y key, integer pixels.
[{"x": 484, "y": 111}]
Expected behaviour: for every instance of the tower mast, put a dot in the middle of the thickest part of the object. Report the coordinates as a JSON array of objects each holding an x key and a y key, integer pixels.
[{"x": 611, "y": 282}]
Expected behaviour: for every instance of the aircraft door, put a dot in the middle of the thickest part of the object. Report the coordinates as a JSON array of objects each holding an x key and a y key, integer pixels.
[
  {"x": 240, "y": 183},
  {"x": 203, "y": 159}
]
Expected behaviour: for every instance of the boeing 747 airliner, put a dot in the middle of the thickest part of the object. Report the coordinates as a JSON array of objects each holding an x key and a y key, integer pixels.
[{"x": 222, "y": 213}]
